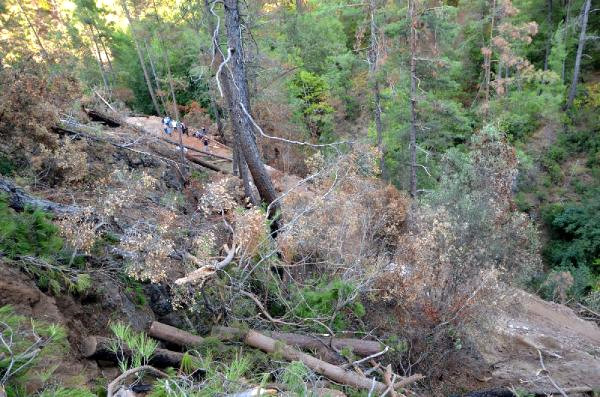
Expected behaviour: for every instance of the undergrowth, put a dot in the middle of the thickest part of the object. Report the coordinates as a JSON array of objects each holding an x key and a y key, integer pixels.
[{"x": 30, "y": 240}]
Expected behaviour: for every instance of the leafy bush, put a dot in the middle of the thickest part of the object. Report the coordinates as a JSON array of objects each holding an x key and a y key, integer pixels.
[
  {"x": 575, "y": 231},
  {"x": 332, "y": 300}
]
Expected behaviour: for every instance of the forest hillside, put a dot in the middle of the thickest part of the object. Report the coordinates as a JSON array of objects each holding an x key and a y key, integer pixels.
[{"x": 305, "y": 198}]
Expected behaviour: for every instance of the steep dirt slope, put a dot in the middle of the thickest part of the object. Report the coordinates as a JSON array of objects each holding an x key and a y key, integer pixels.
[{"x": 570, "y": 346}]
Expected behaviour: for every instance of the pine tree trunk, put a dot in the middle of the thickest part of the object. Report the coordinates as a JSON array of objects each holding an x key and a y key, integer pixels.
[
  {"x": 110, "y": 66},
  {"x": 99, "y": 58},
  {"x": 565, "y": 38},
  {"x": 213, "y": 102},
  {"x": 413, "y": 99},
  {"x": 487, "y": 59},
  {"x": 241, "y": 106},
  {"x": 141, "y": 58},
  {"x": 549, "y": 40},
  {"x": 373, "y": 59},
  {"x": 580, "y": 46},
  {"x": 155, "y": 76},
  {"x": 172, "y": 90},
  {"x": 35, "y": 33}
]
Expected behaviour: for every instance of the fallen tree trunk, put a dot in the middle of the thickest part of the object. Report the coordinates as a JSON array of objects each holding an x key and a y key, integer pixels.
[
  {"x": 96, "y": 115},
  {"x": 358, "y": 346},
  {"x": 19, "y": 200},
  {"x": 182, "y": 338},
  {"x": 193, "y": 149},
  {"x": 99, "y": 348},
  {"x": 195, "y": 159},
  {"x": 333, "y": 372}
]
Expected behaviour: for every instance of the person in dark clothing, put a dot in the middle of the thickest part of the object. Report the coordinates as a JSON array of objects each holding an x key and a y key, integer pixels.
[
  {"x": 205, "y": 141},
  {"x": 184, "y": 129}
]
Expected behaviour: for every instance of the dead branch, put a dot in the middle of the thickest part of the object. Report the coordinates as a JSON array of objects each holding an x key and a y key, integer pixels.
[
  {"x": 112, "y": 385},
  {"x": 19, "y": 200},
  {"x": 408, "y": 380},
  {"x": 255, "y": 391},
  {"x": 262, "y": 308},
  {"x": 389, "y": 381},
  {"x": 547, "y": 373},
  {"x": 207, "y": 271},
  {"x": 372, "y": 356}
]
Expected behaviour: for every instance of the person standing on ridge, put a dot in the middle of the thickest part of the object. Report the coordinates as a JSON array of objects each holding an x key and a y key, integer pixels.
[{"x": 167, "y": 124}]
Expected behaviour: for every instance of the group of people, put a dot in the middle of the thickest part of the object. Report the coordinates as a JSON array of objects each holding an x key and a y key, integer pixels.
[{"x": 171, "y": 125}]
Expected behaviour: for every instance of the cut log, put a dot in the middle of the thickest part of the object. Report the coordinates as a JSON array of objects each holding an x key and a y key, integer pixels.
[
  {"x": 19, "y": 200},
  {"x": 333, "y": 372},
  {"x": 99, "y": 348},
  {"x": 173, "y": 335},
  {"x": 358, "y": 346}
]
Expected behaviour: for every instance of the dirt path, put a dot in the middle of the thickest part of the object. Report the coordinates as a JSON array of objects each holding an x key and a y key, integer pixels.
[
  {"x": 215, "y": 153},
  {"x": 282, "y": 181}
]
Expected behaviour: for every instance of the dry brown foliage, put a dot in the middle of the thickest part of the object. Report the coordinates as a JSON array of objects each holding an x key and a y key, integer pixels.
[
  {"x": 461, "y": 245},
  {"x": 348, "y": 218},
  {"x": 31, "y": 100}
]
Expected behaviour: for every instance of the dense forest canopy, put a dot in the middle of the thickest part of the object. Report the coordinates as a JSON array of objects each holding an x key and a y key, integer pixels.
[{"x": 394, "y": 168}]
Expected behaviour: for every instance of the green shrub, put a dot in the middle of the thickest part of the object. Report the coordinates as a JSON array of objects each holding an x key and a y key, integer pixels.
[
  {"x": 312, "y": 93},
  {"x": 575, "y": 232},
  {"x": 28, "y": 345},
  {"x": 62, "y": 392},
  {"x": 329, "y": 299},
  {"x": 30, "y": 232},
  {"x": 7, "y": 167}
]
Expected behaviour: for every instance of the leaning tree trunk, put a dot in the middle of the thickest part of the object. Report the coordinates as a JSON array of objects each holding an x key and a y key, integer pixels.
[
  {"x": 99, "y": 60},
  {"x": 413, "y": 99},
  {"x": 580, "y": 46},
  {"x": 141, "y": 58},
  {"x": 240, "y": 113},
  {"x": 35, "y": 33},
  {"x": 155, "y": 76}
]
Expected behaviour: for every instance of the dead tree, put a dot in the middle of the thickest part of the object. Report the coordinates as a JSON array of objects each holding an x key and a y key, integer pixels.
[
  {"x": 240, "y": 106},
  {"x": 582, "y": 38}
]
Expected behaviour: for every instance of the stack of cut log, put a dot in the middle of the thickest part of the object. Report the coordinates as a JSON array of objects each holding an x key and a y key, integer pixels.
[{"x": 286, "y": 345}]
